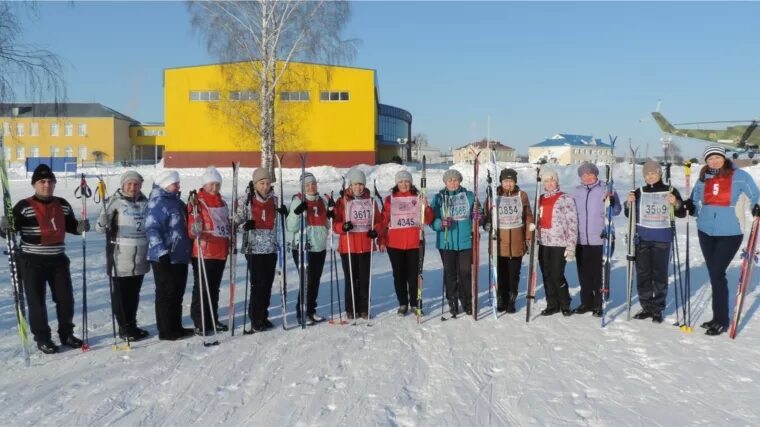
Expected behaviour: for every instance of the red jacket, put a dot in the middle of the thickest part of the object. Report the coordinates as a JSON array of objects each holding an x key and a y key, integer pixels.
[
  {"x": 359, "y": 241},
  {"x": 214, "y": 246},
  {"x": 407, "y": 237}
]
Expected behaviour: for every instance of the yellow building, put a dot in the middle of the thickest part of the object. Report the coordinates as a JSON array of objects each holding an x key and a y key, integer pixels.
[
  {"x": 88, "y": 131},
  {"x": 330, "y": 112}
]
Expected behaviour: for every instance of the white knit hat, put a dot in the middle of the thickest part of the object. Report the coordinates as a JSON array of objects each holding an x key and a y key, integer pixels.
[
  {"x": 403, "y": 175},
  {"x": 355, "y": 176},
  {"x": 549, "y": 175},
  {"x": 166, "y": 178},
  {"x": 713, "y": 149},
  {"x": 211, "y": 175}
]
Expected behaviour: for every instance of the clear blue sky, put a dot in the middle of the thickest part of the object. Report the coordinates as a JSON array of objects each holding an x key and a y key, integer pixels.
[{"x": 535, "y": 68}]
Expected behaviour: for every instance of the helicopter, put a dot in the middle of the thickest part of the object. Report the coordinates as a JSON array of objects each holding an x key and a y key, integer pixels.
[{"x": 736, "y": 139}]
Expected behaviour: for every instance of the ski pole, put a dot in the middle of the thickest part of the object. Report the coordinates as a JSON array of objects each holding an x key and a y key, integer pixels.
[{"x": 84, "y": 192}]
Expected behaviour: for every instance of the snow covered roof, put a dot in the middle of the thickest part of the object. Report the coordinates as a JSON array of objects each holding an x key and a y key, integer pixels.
[
  {"x": 566, "y": 139},
  {"x": 496, "y": 145},
  {"x": 64, "y": 109}
]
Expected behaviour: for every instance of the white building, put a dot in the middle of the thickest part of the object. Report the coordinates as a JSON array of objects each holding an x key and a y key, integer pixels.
[
  {"x": 567, "y": 149},
  {"x": 466, "y": 154}
]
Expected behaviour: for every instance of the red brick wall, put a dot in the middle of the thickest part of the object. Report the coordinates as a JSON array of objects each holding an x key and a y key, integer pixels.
[{"x": 202, "y": 159}]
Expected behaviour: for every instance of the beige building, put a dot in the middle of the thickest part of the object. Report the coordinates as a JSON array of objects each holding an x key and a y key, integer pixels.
[
  {"x": 567, "y": 149},
  {"x": 466, "y": 154}
]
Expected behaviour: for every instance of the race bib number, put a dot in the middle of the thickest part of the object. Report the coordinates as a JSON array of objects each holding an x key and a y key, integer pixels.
[
  {"x": 220, "y": 226},
  {"x": 510, "y": 212},
  {"x": 654, "y": 210},
  {"x": 404, "y": 212},
  {"x": 459, "y": 207},
  {"x": 360, "y": 214}
]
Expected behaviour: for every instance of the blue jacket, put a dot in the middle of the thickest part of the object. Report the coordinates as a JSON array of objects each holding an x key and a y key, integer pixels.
[
  {"x": 458, "y": 237},
  {"x": 589, "y": 201},
  {"x": 166, "y": 227},
  {"x": 721, "y": 220}
]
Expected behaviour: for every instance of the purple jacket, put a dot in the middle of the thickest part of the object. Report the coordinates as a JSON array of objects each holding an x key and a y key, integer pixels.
[{"x": 589, "y": 200}]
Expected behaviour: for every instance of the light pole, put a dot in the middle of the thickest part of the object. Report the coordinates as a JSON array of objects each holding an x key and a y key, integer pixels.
[{"x": 401, "y": 143}]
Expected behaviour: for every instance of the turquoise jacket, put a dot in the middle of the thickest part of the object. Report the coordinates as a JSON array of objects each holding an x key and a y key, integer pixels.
[
  {"x": 315, "y": 235},
  {"x": 458, "y": 237},
  {"x": 721, "y": 220}
]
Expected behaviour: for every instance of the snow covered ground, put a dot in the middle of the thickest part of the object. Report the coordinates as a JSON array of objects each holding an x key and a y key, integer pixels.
[{"x": 551, "y": 371}]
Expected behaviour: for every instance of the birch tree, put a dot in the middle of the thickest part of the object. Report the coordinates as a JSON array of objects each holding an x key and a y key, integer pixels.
[{"x": 266, "y": 35}]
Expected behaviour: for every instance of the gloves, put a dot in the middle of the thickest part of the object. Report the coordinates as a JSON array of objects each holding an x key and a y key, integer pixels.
[
  {"x": 612, "y": 199},
  {"x": 446, "y": 222},
  {"x": 330, "y": 204},
  {"x": 531, "y": 227},
  {"x": 282, "y": 210},
  {"x": 756, "y": 210},
  {"x": 197, "y": 227},
  {"x": 372, "y": 234},
  {"x": 348, "y": 226},
  {"x": 569, "y": 255},
  {"x": 300, "y": 208},
  {"x": 249, "y": 225},
  {"x": 83, "y": 225},
  {"x": 330, "y": 214},
  {"x": 688, "y": 204}
]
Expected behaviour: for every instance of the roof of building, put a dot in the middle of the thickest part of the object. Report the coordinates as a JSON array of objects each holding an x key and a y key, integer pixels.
[
  {"x": 567, "y": 139},
  {"x": 64, "y": 109},
  {"x": 483, "y": 144},
  {"x": 292, "y": 62}
]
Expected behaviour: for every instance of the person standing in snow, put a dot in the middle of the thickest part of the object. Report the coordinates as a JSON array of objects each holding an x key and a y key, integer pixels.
[
  {"x": 212, "y": 227},
  {"x": 590, "y": 197},
  {"x": 315, "y": 212},
  {"x": 454, "y": 211},
  {"x": 557, "y": 233},
  {"x": 168, "y": 252},
  {"x": 401, "y": 230},
  {"x": 352, "y": 222},
  {"x": 514, "y": 224},
  {"x": 712, "y": 201},
  {"x": 42, "y": 221},
  {"x": 256, "y": 217},
  {"x": 123, "y": 222},
  {"x": 654, "y": 202}
]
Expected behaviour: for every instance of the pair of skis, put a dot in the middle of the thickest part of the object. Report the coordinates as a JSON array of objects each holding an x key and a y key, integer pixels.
[
  {"x": 202, "y": 277},
  {"x": 493, "y": 234}
]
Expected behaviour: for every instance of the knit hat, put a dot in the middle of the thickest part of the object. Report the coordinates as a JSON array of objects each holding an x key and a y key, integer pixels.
[
  {"x": 452, "y": 173},
  {"x": 713, "y": 149},
  {"x": 651, "y": 166},
  {"x": 166, "y": 178},
  {"x": 549, "y": 175},
  {"x": 355, "y": 176},
  {"x": 211, "y": 175},
  {"x": 588, "y": 168},
  {"x": 508, "y": 174},
  {"x": 261, "y": 173},
  {"x": 403, "y": 175},
  {"x": 308, "y": 177},
  {"x": 42, "y": 171},
  {"x": 130, "y": 176}
]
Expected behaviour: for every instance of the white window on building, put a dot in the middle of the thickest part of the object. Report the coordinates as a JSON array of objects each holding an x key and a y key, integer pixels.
[
  {"x": 68, "y": 129},
  {"x": 82, "y": 129},
  {"x": 294, "y": 96},
  {"x": 19, "y": 129},
  {"x": 53, "y": 129},
  {"x": 55, "y": 151},
  {"x": 34, "y": 129},
  {"x": 35, "y": 151},
  {"x": 204, "y": 95},
  {"x": 8, "y": 153},
  {"x": 6, "y": 129},
  {"x": 333, "y": 96},
  {"x": 244, "y": 95},
  {"x": 82, "y": 152},
  {"x": 68, "y": 152},
  {"x": 20, "y": 152}
]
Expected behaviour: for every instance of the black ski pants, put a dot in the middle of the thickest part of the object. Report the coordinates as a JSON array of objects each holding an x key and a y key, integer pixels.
[
  {"x": 588, "y": 259},
  {"x": 652, "y": 274},
  {"x": 261, "y": 268},
  {"x": 37, "y": 272},
  {"x": 718, "y": 252},
  {"x": 405, "y": 264},
  {"x": 552, "y": 262},
  {"x": 125, "y": 299},
  {"x": 171, "y": 281},
  {"x": 214, "y": 272},
  {"x": 315, "y": 263},
  {"x": 359, "y": 289},
  {"x": 509, "y": 279},
  {"x": 457, "y": 276}
]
